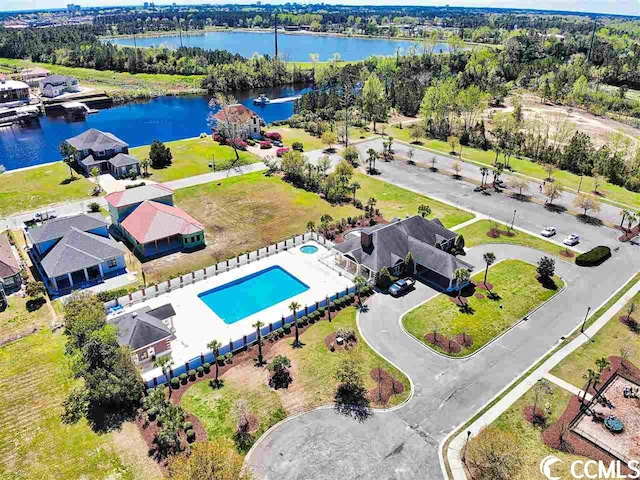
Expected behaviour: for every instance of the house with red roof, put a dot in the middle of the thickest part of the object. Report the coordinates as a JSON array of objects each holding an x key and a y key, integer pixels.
[
  {"x": 238, "y": 121},
  {"x": 147, "y": 218}
]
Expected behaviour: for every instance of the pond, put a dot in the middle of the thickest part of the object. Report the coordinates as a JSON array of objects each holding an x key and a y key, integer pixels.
[
  {"x": 291, "y": 47},
  {"x": 139, "y": 123}
]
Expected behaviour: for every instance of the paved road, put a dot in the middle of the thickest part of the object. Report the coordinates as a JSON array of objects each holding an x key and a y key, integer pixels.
[
  {"x": 529, "y": 215},
  {"x": 403, "y": 444}
]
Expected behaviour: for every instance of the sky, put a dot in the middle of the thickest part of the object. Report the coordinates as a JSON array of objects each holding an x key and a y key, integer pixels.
[{"x": 621, "y": 7}]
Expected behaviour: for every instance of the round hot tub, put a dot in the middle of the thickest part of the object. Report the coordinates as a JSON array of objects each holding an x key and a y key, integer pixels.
[{"x": 309, "y": 249}]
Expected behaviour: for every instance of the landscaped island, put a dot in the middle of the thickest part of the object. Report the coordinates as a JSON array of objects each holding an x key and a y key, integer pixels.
[{"x": 445, "y": 325}]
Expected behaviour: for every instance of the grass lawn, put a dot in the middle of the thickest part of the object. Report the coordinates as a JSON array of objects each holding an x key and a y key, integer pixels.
[
  {"x": 476, "y": 234},
  {"x": 16, "y": 318},
  {"x": 40, "y": 186},
  {"x": 313, "y": 368},
  {"x": 118, "y": 84},
  {"x": 35, "y": 377},
  {"x": 290, "y": 135},
  {"x": 242, "y": 214},
  {"x": 394, "y": 201},
  {"x": 526, "y": 167},
  {"x": 192, "y": 157},
  {"x": 606, "y": 343},
  {"x": 514, "y": 281},
  {"x": 527, "y": 437}
]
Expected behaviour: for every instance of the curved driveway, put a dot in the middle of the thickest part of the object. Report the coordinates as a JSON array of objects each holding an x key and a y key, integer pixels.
[{"x": 403, "y": 444}]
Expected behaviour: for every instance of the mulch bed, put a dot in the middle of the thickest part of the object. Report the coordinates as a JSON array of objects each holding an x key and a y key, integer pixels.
[
  {"x": 459, "y": 301},
  {"x": 253, "y": 423},
  {"x": 630, "y": 322},
  {"x": 339, "y": 238},
  {"x": 445, "y": 343},
  {"x": 567, "y": 253},
  {"x": 559, "y": 437},
  {"x": 479, "y": 296},
  {"x": 530, "y": 415},
  {"x": 496, "y": 232},
  {"x": 484, "y": 286},
  {"x": 628, "y": 235},
  {"x": 388, "y": 386},
  {"x": 331, "y": 339},
  {"x": 464, "y": 340}
]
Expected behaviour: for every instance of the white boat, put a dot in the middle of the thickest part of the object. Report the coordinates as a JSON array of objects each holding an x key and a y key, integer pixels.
[{"x": 262, "y": 99}]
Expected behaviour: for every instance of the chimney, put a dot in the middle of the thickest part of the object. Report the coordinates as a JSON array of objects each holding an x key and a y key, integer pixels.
[{"x": 366, "y": 239}]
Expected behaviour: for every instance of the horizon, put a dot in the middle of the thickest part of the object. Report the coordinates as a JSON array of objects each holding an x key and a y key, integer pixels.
[{"x": 629, "y": 8}]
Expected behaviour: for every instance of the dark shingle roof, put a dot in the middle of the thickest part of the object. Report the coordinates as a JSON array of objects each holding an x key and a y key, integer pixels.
[
  {"x": 391, "y": 243},
  {"x": 122, "y": 159},
  {"x": 58, "y": 227},
  {"x": 96, "y": 141},
  {"x": 78, "y": 250},
  {"x": 55, "y": 80},
  {"x": 9, "y": 265},
  {"x": 142, "y": 327}
]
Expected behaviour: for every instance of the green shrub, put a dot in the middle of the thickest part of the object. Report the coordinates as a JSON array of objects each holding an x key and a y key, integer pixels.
[
  {"x": 304, "y": 319},
  {"x": 183, "y": 378},
  {"x": 192, "y": 373},
  {"x": 151, "y": 413},
  {"x": 200, "y": 371},
  {"x": 191, "y": 435},
  {"x": 175, "y": 382},
  {"x": 332, "y": 306},
  {"x": 594, "y": 257},
  {"x": 280, "y": 331},
  {"x": 287, "y": 328},
  {"x": 112, "y": 294},
  {"x": 300, "y": 323},
  {"x": 187, "y": 426},
  {"x": 298, "y": 146},
  {"x": 207, "y": 367},
  {"x": 352, "y": 296},
  {"x": 229, "y": 356},
  {"x": 321, "y": 311},
  {"x": 220, "y": 358}
]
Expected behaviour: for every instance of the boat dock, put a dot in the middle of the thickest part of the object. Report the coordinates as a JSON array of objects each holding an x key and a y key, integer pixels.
[
  {"x": 90, "y": 100},
  {"x": 24, "y": 114}
]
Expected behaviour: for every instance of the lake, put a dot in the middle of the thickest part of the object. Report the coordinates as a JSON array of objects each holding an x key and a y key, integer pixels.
[
  {"x": 291, "y": 47},
  {"x": 139, "y": 123}
]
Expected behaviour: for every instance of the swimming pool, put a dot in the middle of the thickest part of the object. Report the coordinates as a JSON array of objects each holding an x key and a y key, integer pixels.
[
  {"x": 309, "y": 249},
  {"x": 236, "y": 300}
]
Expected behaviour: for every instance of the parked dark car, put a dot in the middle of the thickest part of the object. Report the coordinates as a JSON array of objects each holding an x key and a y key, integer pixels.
[{"x": 401, "y": 286}]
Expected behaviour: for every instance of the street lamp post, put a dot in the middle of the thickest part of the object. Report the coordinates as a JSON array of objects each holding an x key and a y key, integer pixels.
[
  {"x": 513, "y": 219},
  {"x": 464, "y": 452},
  {"x": 585, "y": 320}
]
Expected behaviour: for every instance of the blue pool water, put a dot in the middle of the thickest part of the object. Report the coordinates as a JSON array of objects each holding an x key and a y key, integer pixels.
[
  {"x": 309, "y": 249},
  {"x": 248, "y": 295}
]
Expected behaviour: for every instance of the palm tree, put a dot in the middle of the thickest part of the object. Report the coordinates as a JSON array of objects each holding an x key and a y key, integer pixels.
[
  {"x": 593, "y": 378},
  {"x": 371, "y": 204},
  {"x": 164, "y": 363},
  {"x": 485, "y": 172},
  {"x": 311, "y": 226},
  {"x": 373, "y": 156},
  {"x": 424, "y": 210},
  {"x": 355, "y": 186},
  {"x": 359, "y": 282},
  {"x": 623, "y": 216},
  {"x": 631, "y": 218},
  {"x": 461, "y": 276},
  {"x": 541, "y": 386},
  {"x": 258, "y": 325},
  {"x": 145, "y": 166},
  {"x": 325, "y": 220},
  {"x": 214, "y": 346},
  {"x": 294, "y": 306},
  {"x": 489, "y": 259}
]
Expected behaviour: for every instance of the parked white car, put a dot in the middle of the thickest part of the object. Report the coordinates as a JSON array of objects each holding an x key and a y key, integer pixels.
[
  {"x": 571, "y": 240},
  {"x": 548, "y": 232}
]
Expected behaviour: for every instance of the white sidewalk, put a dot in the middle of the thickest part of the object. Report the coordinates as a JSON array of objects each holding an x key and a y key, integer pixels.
[{"x": 454, "y": 451}]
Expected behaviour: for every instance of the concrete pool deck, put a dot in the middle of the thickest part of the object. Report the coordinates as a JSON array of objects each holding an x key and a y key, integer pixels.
[{"x": 196, "y": 324}]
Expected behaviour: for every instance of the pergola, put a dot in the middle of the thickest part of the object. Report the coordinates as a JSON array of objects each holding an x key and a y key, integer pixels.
[{"x": 348, "y": 264}]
